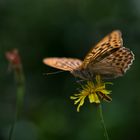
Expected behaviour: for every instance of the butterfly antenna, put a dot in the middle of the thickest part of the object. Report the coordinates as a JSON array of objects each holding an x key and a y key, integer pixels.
[{"x": 51, "y": 73}]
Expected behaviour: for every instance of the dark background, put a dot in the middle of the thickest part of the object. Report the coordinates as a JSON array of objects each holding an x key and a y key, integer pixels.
[{"x": 44, "y": 28}]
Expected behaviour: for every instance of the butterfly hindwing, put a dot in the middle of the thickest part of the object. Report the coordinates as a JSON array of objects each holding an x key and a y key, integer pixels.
[
  {"x": 67, "y": 64},
  {"x": 114, "y": 65},
  {"x": 122, "y": 59},
  {"x": 106, "y": 46}
]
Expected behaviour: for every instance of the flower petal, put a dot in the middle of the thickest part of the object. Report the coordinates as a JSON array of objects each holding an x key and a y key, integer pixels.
[
  {"x": 104, "y": 91},
  {"x": 73, "y": 97},
  {"x": 98, "y": 79},
  {"x": 80, "y": 104},
  {"x": 78, "y": 100},
  {"x": 96, "y": 98},
  {"x": 91, "y": 98},
  {"x": 108, "y": 83}
]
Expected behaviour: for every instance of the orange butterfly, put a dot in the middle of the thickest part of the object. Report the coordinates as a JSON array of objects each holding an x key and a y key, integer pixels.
[{"x": 108, "y": 58}]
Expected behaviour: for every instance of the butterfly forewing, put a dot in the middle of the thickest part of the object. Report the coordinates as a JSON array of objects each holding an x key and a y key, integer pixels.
[
  {"x": 106, "y": 46},
  {"x": 67, "y": 64}
]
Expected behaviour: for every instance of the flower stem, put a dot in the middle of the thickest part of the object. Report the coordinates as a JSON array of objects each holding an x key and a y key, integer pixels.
[
  {"x": 19, "y": 78},
  {"x": 103, "y": 123},
  {"x": 14, "y": 59}
]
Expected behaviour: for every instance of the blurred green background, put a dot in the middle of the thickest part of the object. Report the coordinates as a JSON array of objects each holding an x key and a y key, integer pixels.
[{"x": 44, "y": 28}]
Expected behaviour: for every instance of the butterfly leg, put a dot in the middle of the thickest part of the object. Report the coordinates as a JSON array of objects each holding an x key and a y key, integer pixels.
[{"x": 80, "y": 81}]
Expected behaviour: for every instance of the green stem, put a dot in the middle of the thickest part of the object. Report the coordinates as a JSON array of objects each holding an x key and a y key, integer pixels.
[
  {"x": 19, "y": 78},
  {"x": 102, "y": 122},
  {"x": 11, "y": 131}
]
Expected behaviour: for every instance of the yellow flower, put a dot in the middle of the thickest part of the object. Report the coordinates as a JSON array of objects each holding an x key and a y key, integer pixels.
[{"x": 95, "y": 92}]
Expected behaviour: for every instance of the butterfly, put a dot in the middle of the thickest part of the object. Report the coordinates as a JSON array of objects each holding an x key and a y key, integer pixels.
[{"x": 108, "y": 58}]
